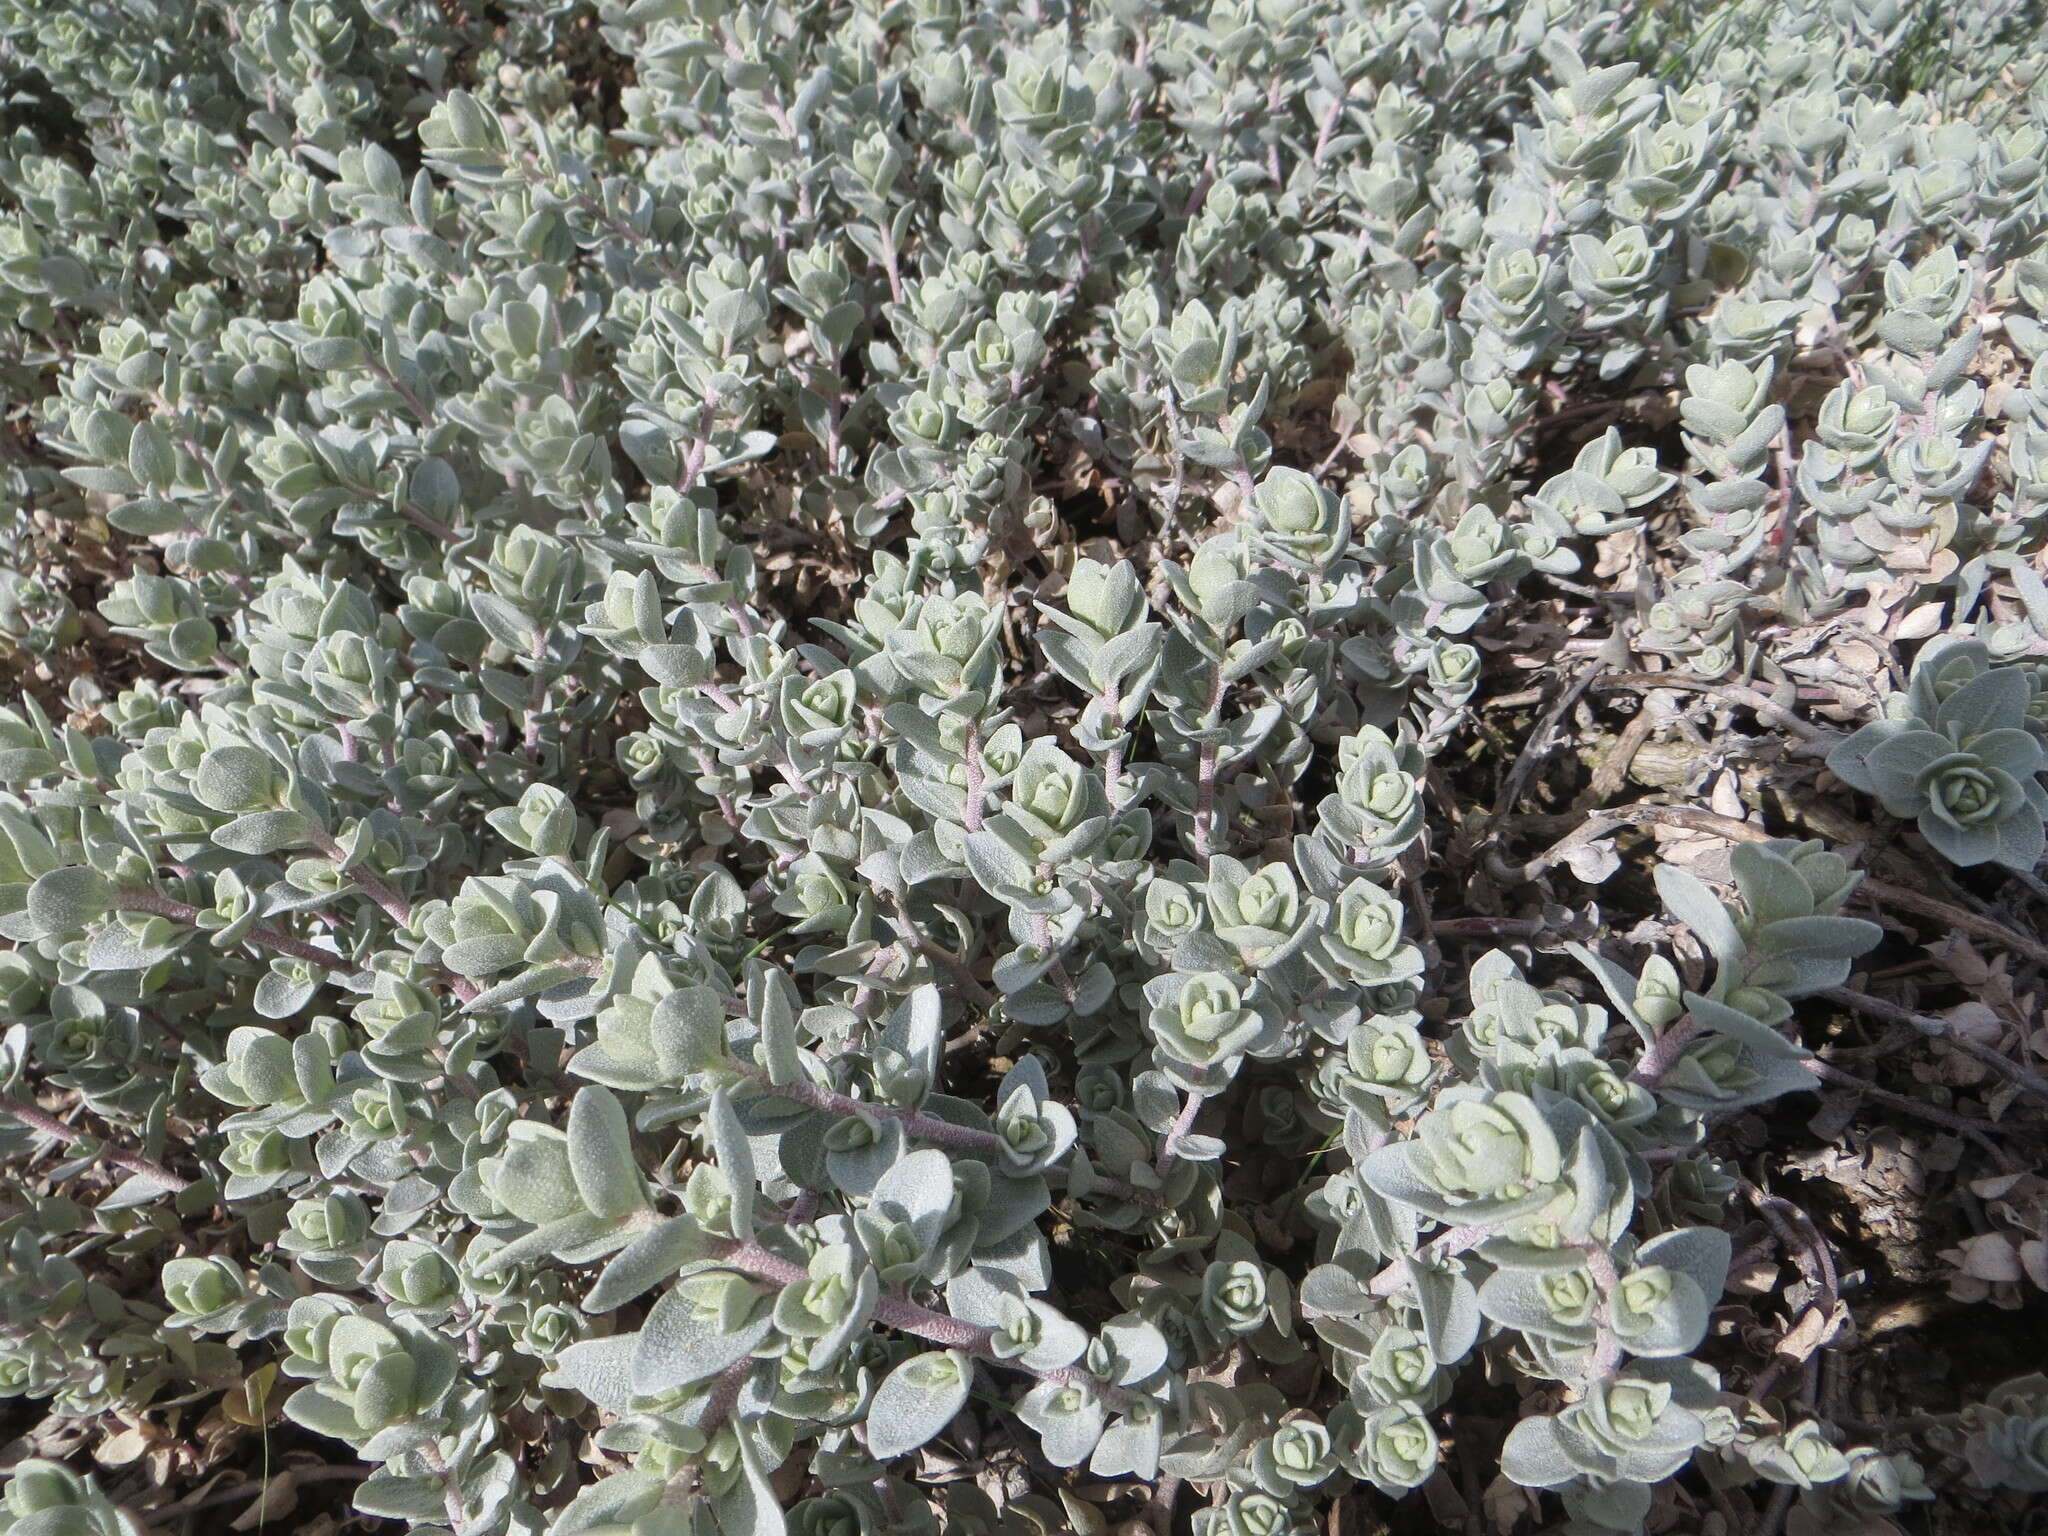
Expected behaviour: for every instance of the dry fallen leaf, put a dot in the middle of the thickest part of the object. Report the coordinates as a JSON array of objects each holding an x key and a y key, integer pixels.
[
  {"x": 2034, "y": 1260},
  {"x": 121, "y": 1448},
  {"x": 1814, "y": 1329},
  {"x": 1593, "y": 862},
  {"x": 1990, "y": 1256},
  {"x": 1956, "y": 955},
  {"x": 1508, "y": 1505},
  {"x": 278, "y": 1498}
]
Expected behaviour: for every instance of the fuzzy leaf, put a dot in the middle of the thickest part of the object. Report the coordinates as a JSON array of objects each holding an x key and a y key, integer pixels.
[
  {"x": 917, "y": 1400},
  {"x": 601, "y": 1154},
  {"x": 1687, "y": 898},
  {"x": 66, "y": 900},
  {"x": 651, "y": 1258},
  {"x": 735, "y": 1160},
  {"x": 706, "y": 1323}
]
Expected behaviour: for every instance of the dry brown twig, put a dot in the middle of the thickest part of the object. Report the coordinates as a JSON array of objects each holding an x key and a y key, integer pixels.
[
  {"x": 1600, "y": 823},
  {"x": 1613, "y": 768},
  {"x": 1821, "y": 1320},
  {"x": 1541, "y": 740},
  {"x": 1828, "y": 1072},
  {"x": 1692, "y": 819},
  {"x": 2026, "y": 1081},
  {"x": 1738, "y": 694},
  {"x": 69, "y": 1135},
  {"x": 260, "y": 1490}
]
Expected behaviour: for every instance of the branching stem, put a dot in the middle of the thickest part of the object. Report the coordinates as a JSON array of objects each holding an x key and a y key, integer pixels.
[
  {"x": 56, "y": 1129},
  {"x": 922, "y": 1322}
]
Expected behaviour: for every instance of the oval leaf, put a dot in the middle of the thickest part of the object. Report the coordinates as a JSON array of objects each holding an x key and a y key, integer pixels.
[{"x": 917, "y": 1400}]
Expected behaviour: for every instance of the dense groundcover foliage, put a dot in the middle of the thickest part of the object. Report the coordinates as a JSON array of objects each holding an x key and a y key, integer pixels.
[{"x": 808, "y": 766}]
